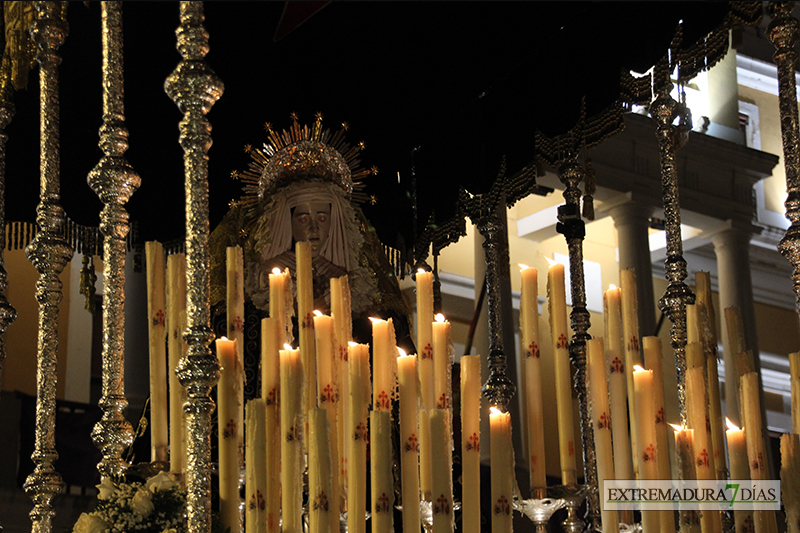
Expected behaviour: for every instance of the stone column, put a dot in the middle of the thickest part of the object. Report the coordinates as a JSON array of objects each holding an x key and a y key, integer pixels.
[
  {"x": 732, "y": 247},
  {"x": 631, "y": 220}
]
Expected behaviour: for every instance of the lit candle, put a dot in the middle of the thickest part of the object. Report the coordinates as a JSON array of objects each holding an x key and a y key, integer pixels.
[
  {"x": 601, "y": 423},
  {"x": 256, "y": 467},
  {"x": 794, "y": 376},
  {"x": 342, "y": 335},
  {"x": 305, "y": 310},
  {"x": 322, "y": 516},
  {"x": 790, "y": 480},
  {"x": 502, "y": 469},
  {"x": 425, "y": 371},
  {"x": 230, "y": 397},
  {"x": 380, "y": 431},
  {"x": 653, "y": 361},
  {"x": 270, "y": 392},
  {"x": 618, "y": 380},
  {"x": 280, "y": 288},
  {"x": 529, "y": 327},
  {"x": 409, "y": 439},
  {"x": 646, "y": 438},
  {"x": 558, "y": 328},
  {"x": 630, "y": 326},
  {"x": 684, "y": 449},
  {"x": 441, "y": 473},
  {"x": 291, "y": 440},
  {"x": 360, "y": 392},
  {"x": 384, "y": 353},
  {"x": 176, "y": 347},
  {"x": 737, "y": 455},
  {"x": 442, "y": 361},
  {"x": 327, "y": 369},
  {"x": 156, "y": 296},
  {"x": 709, "y": 323},
  {"x": 471, "y": 443}
]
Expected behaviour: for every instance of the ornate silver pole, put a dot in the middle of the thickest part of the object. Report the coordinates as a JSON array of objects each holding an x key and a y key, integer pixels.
[
  {"x": 498, "y": 389},
  {"x": 195, "y": 88},
  {"x": 570, "y": 224},
  {"x": 782, "y": 32},
  {"x": 49, "y": 252},
  {"x": 7, "y": 313},
  {"x": 664, "y": 109},
  {"x": 113, "y": 180}
]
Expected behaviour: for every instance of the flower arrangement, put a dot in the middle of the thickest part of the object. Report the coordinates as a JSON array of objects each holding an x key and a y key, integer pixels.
[{"x": 156, "y": 506}]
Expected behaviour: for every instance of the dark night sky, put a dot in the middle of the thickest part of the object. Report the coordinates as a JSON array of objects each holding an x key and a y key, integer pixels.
[{"x": 466, "y": 82}]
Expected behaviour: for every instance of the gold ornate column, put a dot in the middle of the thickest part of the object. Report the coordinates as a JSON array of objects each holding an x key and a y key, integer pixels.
[
  {"x": 783, "y": 32},
  {"x": 195, "y": 88},
  {"x": 664, "y": 109},
  {"x": 7, "y": 313},
  {"x": 114, "y": 181},
  {"x": 49, "y": 253}
]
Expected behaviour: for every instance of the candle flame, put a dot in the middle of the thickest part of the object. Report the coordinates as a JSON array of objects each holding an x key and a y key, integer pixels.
[
  {"x": 421, "y": 271},
  {"x": 439, "y": 317},
  {"x": 495, "y": 411},
  {"x": 611, "y": 287},
  {"x": 637, "y": 368},
  {"x": 223, "y": 338},
  {"x": 276, "y": 271},
  {"x": 375, "y": 320},
  {"x": 676, "y": 427},
  {"x": 523, "y": 267},
  {"x": 401, "y": 351},
  {"x": 317, "y": 312},
  {"x": 551, "y": 262},
  {"x": 731, "y": 425},
  {"x": 287, "y": 347},
  {"x": 351, "y": 343}
]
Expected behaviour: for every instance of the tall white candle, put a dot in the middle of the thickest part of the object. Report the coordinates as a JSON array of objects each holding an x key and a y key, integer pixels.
[
  {"x": 342, "y": 335},
  {"x": 502, "y": 472},
  {"x": 790, "y": 480},
  {"x": 557, "y": 301},
  {"x": 230, "y": 397},
  {"x": 323, "y": 516},
  {"x": 737, "y": 455},
  {"x": 280, "y": 303},
  {"x": 425, "y": 371},
  {"x": 384, "y": 355},
  {"x": 291, "y": 441},
  {"x": 630, "y": 325},
  {"x": 329, "y": 394},
  {"x": 360, "y": 393},
  {"x": 442, "y": 473},
  {"x": 471, "y": 443},
  {"x": 256, "y": 467},
  {"x": 409, "y": 439},
  {"x": 646, "y": 427},
  {"x": 305, "y": 321},
  {"x": 270, "y": 392},
  {"x": 617, "y": 360},
  {"x": 794, "y": 376},
  {"x": 534, "y": 410},
  {"x": 381, "y": 472},
  {"x": 176, "y": 348},
  {"x": 156, "y": 313}
]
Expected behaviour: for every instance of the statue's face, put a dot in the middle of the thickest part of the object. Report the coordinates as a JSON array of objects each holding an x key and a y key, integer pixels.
[{"x": 311, "y": 221}]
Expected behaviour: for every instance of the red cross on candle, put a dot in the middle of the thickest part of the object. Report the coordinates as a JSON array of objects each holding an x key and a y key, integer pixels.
[
  {"x": 321, "y": 501},
  {"x": 758, "y": 462},
  {"x": 633, "y": 344},
  {"x": 327, "y": 395},
  {"x": 442, "y": 403},
  {"x": 474, "y": 443},
  {"x": 616, "y": 366},
  {"x": 502, "y": 506},
  {"x": 427, "y": 352},
  {"x": 262, "y": 502},
  {"x": 237, "y": 324},
  {"x": 383, "y": 400},
  {"x": 292, "y": 434},
  {"x": 702, "y": 458},
  {"x": 360, "y": 432},
  {"x": 412, "y": 444},
  {"x": 382, "y": 505},
  {"x": 442, "y": 505},
  {"x": 749, "y": 526},
  {"x": 270, "y": 397},
  {"x": 649, "y": 454},
  {"x": 533, "y": 350},
  {"x": 308, "y": 321},
  {"x": 562, "y": 341},
  {"x": 534, "y": 460},
  {"x": 604, "y": 421},
  {"x": 159, "y": 319},
  {"x": 571, "y": 448},
  {"x": 660, "y": 416},
  {"x": 230, "y": 429},
  {"x": 343, "y": 352}
]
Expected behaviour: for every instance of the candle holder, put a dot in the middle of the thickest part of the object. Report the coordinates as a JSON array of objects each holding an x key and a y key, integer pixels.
[
  {"x": 570, "y": 224},
  {"x": 573, "y": 495},
  {"x": 630, "y": 528},
  {"x": 539, "y": 510},
  {"x": 426, "y": 513}
]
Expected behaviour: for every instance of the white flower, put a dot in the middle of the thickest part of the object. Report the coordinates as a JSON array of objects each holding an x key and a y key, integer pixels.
[
  {"x": 141, "y": 503},
  {"x": 89, "y": 523},
  {"x": 107, "y": 490},
  {"x": 162, "y": 481}
]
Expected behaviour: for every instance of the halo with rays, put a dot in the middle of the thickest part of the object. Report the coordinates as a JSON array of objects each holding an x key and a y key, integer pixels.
[{"x": 303, "y": 152}]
